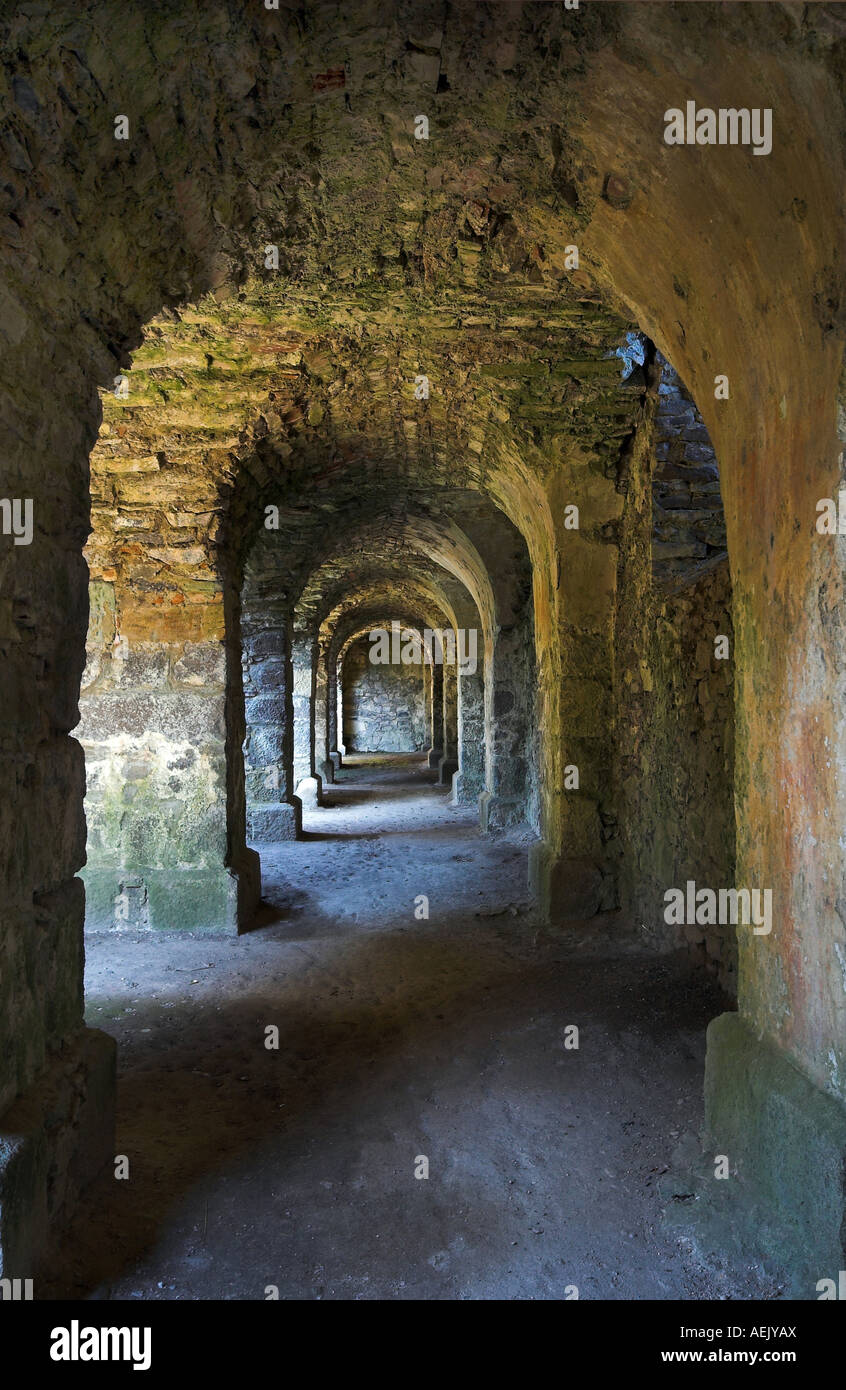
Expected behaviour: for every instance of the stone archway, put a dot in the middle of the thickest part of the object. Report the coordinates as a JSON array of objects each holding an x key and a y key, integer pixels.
[{"x": 732, "y": 264}]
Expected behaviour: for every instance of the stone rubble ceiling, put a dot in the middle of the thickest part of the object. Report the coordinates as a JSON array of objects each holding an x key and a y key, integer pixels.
[
  {"x": 375, "y": 579},
  {"x": 230, "y": 410},
  {"x": 397, "y": 257}
]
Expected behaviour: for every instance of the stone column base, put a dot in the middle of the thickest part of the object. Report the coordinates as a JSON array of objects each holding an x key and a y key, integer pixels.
[
  {"x": 498, "y": 812},
  {"x": 310, "y": 793},
  {"x": 465, "y": 790},
  {"x": 269, "y": 822},
  {"x": 785, "y": 1141},
  {"x": 53, "y": 1141},
  {"x": 567, "y": 890},
  {"x": 336, "y": 759},
  {"x": 203, "y": 900},
  {"x": 247, "y": 876},
  {"x": 434, "y": 757},
  {"x": 327, "y": 771},
  {"x": 446, "y": 768}
]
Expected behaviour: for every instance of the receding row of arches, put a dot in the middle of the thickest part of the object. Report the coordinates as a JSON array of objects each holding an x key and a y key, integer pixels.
[
  {"x": 200, "y": 751},
  {"x": 292, "y": 386}
]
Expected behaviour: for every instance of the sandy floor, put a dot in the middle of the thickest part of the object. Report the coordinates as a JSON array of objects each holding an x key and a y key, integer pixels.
[{"x": 398, "y": 1038}]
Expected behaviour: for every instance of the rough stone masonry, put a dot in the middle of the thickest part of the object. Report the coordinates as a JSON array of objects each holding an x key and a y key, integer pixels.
[{"x": 311, "y": 320}]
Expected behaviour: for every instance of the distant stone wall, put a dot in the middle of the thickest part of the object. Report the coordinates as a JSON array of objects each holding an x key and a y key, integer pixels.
[
  {"x": 384, "y": 709},
  {"x": 688, "y": 523}
]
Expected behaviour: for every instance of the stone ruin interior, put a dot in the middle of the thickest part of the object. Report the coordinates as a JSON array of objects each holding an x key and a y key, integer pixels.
[{"x": 349, "y": 979}]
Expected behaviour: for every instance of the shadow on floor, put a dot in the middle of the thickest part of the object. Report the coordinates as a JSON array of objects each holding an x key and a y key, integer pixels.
[{"x": 397, "y": 1037}]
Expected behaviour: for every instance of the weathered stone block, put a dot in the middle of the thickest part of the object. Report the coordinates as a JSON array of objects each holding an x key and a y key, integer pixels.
[
  {"x": 209, "y": 901},
  {"x": 265, "y": 709},
  {"x": 499, "y": 812},
  {"x": 787, "y": 1141},
  {"x": 201, "y": 664},
  {"x": 566, "y": 890},
  {"x": 53, "y": 1142},
  {"x": 268, "y": 823},
  {"x": 267, "y": 676},
  {"x": 181, "y": 718}
]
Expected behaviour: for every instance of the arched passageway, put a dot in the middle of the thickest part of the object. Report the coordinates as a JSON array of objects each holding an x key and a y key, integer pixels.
[{"x": 337, "y": 391}]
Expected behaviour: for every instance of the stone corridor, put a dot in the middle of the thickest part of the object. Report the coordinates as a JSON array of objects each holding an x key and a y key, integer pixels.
[
  {"x": 422, "y": 578},
  {"x": 444, "y": 1038}
]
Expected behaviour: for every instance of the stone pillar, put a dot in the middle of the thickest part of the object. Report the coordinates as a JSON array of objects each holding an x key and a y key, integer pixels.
[
  {"x": 57, "y": 1077},
  {"x": 426, "y": 674},
  {"x": 571, "y": 870},
  {"x": 449, "y": 762},
  {"x": 468, "y": 782},
  {"x": 775, "y": 1081},
  {"x": 154, "y": 728},
  {"x": 274, "y": 812},
  {"x": 503, "y": 802},
  {"x": 307, "y": 781},
  {"x": 339, "y": 719},
  {"x": 324, "y": 765},
  {"x": 332, "y": 695},
  {"x": 436, "y": 751}
]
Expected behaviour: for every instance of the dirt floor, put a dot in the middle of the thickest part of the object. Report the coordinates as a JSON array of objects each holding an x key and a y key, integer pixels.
[{"x": 399, "y": 1038}]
